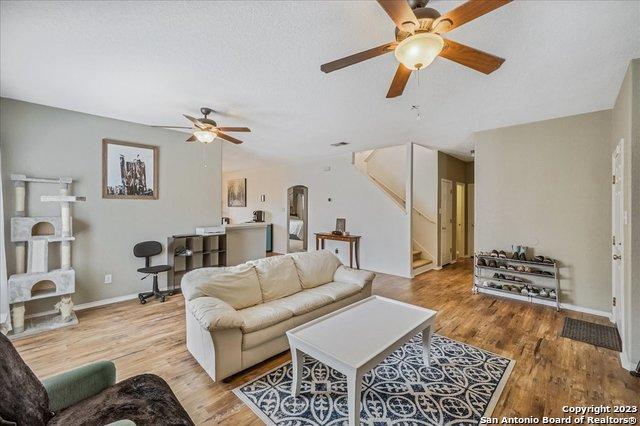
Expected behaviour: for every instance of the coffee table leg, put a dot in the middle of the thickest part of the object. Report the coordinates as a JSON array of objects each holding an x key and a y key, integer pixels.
[
  {"x": 354, "y": 388},
  {"x": 426, "y": 344},
  {"x": 297, "y": 358}
]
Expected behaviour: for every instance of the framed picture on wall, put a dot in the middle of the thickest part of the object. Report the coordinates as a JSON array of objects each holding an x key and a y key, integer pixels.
[
  {"x": 237, "y": 193},
  {"x": 129, "y": 170}
]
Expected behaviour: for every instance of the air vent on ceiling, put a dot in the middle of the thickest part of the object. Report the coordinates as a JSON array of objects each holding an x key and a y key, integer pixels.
[{"x": 340, "y": 144}]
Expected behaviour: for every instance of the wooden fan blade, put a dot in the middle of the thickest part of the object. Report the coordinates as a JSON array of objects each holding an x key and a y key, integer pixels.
[
  {"x": 192, "y": 139},
  {"x": 464, "y": 13},
  {"x": 401, "y": 14},
  {"x": 399, "y": 81},
  {"x": 470, "y": 57},
  {"x": 173, "y": 127},
  {"x": 229, "y": 138},
  {"x": 234, "y": 129},
  {"x": 358, "y": 57},
  {"x": 196, "y": 122}
]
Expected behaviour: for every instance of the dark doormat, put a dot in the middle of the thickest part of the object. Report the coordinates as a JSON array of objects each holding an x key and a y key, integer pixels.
[{"x": 590, "y": 332}]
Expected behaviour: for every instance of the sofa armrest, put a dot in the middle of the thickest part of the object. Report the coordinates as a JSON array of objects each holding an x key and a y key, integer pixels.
[
  {"x": 358, "y": 277},
  {"x": 214, "y": 314},
  {"x": 72, "y": 386}
]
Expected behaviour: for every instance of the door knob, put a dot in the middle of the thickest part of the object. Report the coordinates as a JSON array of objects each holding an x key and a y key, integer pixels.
[{"x": 616, "y": 257}]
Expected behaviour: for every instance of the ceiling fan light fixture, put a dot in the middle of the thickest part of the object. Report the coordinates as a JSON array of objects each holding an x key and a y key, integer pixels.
[
  {"x": 205, "y": 136},
  {"x": 419, "y": 50}
]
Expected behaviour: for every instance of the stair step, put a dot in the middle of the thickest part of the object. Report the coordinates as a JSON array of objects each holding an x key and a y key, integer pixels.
[
  {"x": 417, "y": 254},
  {"x": 421, "y": 262}
]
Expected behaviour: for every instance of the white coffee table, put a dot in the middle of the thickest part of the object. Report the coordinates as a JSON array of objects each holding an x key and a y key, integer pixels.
[{"x": 356, "y": 338}]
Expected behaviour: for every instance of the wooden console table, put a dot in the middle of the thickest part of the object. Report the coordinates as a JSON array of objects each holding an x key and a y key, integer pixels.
[{"x": 353, "y": 240}]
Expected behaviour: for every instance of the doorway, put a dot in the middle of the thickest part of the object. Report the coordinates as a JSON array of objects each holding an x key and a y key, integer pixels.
[
  {"x": 471, "y": 217},
  {"x": 460, "y": 220},
  {"x": 617, "y": 239},
  {"x": 297, "y": 222},
  {"x": 446, "y": 221}
]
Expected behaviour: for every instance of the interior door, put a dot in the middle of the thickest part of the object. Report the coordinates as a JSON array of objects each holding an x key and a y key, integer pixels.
[
  {"x": 446, "y": 221},
  {"x": 460, "y": 221},
  {"x": 617, "y": 236}
]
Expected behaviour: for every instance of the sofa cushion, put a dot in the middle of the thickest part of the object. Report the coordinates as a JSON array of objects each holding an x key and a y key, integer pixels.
[
  {"x": 303, "y": 302},
  {"x": 236, "y": 285},
  {"x": 278, "y": 277},
  {"x": 145, "y": 399},
  {"x": 315, "y": 267},
  {"x": 23, "y": 399},
  {"x": 359, "y": 277},
  {"x": 336, "y": 290},
  {"x": 262, "y": 316}
]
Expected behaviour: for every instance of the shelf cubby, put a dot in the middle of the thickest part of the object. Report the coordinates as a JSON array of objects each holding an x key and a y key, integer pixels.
[{"x": 204, "y": 251}]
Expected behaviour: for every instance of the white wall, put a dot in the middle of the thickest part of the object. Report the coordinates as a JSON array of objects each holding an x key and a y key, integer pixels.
[
  {"x": 425, "y": 198},
  {"x": 369, "y": 212},
  {"x": 547, "y": 185},
  {"x": 49, "y": 142},
  {"x": 389, "y": 165}
]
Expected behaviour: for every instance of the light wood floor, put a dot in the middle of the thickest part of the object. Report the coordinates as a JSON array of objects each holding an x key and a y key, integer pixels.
[{"x": 550, "y": 371}]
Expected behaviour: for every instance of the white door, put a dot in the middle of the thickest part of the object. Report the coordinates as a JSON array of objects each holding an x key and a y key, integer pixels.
[
  {"x": 617, "y": 236},
  {"x": 460, "y": 221},
  {"x": 471, "y": 211},
  {"x": 446, "y": 221}
]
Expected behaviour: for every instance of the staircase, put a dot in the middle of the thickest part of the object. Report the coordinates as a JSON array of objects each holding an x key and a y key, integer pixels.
[
  {"x": 418, "y": 261},
  {"x": 422, "y": 260}
]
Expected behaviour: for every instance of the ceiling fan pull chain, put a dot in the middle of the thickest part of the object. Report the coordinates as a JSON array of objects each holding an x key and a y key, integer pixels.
[{"x": 204, "y": 158}]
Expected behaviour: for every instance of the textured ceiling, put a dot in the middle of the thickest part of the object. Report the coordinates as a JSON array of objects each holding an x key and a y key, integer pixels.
[{"x": 259, "y": 64}]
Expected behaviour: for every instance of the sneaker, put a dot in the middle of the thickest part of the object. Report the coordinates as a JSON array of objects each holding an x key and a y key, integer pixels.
[
  {"x": 502, "y": 254},
  {"x": 494, "y": 253},
  {"x": 515, "y": 256},
  {"x": 482, "y": 262},
  {"x": 522, "y": 256},
  {"x": 493, "y": 264}
]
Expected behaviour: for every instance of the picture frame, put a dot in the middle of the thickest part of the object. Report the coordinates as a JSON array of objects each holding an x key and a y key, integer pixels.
[
  {"x": 237, "y": 192},
  {"x": 341, "y": 225},
  {"x": 129, "y": 170}
]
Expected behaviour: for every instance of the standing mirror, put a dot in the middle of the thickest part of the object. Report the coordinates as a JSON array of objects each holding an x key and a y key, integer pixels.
[{"x": 297, "y": 203}]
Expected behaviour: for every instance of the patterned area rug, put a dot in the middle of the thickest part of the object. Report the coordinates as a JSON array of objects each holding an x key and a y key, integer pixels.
[{"x": 462, "y": 385}]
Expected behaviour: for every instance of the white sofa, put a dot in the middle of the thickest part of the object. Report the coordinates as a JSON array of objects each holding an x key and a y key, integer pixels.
[{"x": 238, "y": 316}]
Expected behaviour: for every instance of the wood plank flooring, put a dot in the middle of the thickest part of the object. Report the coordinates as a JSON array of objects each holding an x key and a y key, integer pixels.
[{"x": 550, "y": 371}]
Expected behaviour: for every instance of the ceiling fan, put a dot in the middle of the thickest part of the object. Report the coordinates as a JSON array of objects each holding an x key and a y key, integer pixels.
[
  {"x": 419, "y": 39},
  {"x": 206, "y": 130}
]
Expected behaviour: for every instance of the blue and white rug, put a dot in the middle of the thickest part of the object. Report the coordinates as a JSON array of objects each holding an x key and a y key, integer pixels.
[{"x": 462, "y": 385}]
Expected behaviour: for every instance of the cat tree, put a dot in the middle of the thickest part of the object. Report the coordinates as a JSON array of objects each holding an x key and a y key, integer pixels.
[{"x": 33, "y": 279}]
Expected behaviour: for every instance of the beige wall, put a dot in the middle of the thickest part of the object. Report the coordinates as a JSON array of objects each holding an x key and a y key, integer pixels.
[
  {"x": 547, "y": 185},
  {"x": 626, "y": 126},
  {"x": 48, "y": 142}
]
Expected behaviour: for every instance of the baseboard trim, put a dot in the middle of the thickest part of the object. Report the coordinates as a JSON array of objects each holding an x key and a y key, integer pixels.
[
  {"x": 567, "y": 306},
  {"x": 626, "y": 363},
  {"x": 88, "y": 305}
]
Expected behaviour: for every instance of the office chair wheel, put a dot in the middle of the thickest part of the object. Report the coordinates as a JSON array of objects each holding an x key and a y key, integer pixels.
[
  {"x": 143, "y": 301},
  {"x": 162, "y": 300}
]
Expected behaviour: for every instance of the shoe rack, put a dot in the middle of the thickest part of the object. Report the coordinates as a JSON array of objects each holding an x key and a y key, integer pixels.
[{"x": 543, "y": 277}]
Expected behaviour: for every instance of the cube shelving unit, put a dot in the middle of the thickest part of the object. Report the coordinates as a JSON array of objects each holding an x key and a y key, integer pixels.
[{"x": 206, "y": 251}]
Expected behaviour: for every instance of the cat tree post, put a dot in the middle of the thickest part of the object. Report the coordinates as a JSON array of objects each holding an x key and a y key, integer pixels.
[{"x": 20, "y": 202}]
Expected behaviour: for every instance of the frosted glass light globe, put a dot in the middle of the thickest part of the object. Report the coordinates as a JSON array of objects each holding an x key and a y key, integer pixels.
[
  {"x": 204, "y": 136},
  {"x": 419, "y": 50}
]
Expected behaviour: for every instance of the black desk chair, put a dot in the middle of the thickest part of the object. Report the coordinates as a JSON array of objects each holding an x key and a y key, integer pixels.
[{"x": 147, "y": 249}]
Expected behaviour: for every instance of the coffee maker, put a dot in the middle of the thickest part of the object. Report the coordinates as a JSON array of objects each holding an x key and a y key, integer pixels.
[{"x": 258, "y": 216}]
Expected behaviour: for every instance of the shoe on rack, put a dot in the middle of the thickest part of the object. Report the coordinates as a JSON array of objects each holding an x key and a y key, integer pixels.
[
  {"x": 493, "y": 264},
  {"x": 502, "y": 254},
  {"x": 522, "y": 256},
  {"x": 494, "y": 253},
  {"x": 482, "y": 262},
  {"x": 515, "y": 256}
]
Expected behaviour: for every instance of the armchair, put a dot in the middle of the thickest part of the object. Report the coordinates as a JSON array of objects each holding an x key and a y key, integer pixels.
[{"x": 85, "y": 395}]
